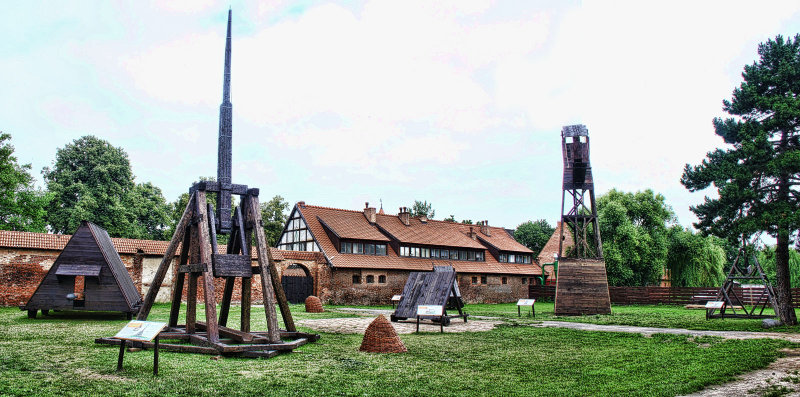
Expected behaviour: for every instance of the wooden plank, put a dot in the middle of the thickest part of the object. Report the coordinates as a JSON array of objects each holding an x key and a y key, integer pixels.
[
  {"x": 205, "y": 257},
  {"x": 254, "y": 215},
  {"x": 66, "y": 269},
  {"x": 228, "y": 265},
  {"x": 193, "y": 268},
  {"x": 236, "y": 335},
  {"x": 169, "y": 255}
]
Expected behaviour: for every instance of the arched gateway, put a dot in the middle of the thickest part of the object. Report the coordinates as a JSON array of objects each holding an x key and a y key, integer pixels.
[{"x": 297, "y": 282}]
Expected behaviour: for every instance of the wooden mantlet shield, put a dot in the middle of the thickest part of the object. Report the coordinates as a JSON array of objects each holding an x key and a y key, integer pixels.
[
  {"x": 582, "y": 284},
  {"x": 438, "y": 287},
  {"x": 196, "y": 232},
  {"x": 107, "y": 285}
]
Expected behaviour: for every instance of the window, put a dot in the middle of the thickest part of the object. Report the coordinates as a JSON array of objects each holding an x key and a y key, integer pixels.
[
  {"x": 524, "y": 280},
  {"x": 381, "y": 279},
  {"x": 504, "y": 280},
  {"x": 483, "y": 279},
  {"x": 297, "y": 237},
  {"x": 356, "y": 279},
  {"x": 474, "y": 279},
  {"x": 503, "y": 258},
  {"x": 471, "y": 255},
  {"x": 511, "y": 259},
  {"x": 370, "y": 279},
  {"x": 362, "y": 248}
]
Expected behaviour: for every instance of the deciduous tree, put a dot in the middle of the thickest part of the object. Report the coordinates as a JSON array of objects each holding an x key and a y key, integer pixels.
[
  {"x": 758, "y": 172},
  {"x": 22, "y": 207},
  {"x": 534, "y": 235},
  {"x": 633, "y": 227},
  {"x": 92, "y": 180},
  {"x": 421, "y": 208}
]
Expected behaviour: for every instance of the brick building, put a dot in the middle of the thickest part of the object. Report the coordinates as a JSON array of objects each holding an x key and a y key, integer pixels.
[
  {"x": 342, "y": 256},
  {"x": 366, "y": 255}
]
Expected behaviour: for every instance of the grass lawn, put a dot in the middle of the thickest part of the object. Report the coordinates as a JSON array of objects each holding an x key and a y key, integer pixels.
[
  {"x": 661, "y": 316},
  {"x": 58, "y": 356}
]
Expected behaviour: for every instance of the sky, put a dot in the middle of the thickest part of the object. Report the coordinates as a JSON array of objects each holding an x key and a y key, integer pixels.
[{"x": 337, "y": 103}]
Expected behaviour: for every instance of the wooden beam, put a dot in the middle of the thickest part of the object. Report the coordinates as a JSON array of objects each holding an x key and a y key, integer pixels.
[
  {"x": 177, "y": 288},
  {"x": 227, "y": 294},
  {"x": 193, "y": 268},
  {"x": 247, "y": 282},
  {"x": 254, "y": 216},
  {"x": 205, "y": 257},
  {"x": 191, "y": 303},
  {"x": 169, "y": 254}
]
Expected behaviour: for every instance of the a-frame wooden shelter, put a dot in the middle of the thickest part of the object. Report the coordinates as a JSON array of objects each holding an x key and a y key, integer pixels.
[
  {"x": 438, "y": 287},
  {"x": 88, "y": 275}
]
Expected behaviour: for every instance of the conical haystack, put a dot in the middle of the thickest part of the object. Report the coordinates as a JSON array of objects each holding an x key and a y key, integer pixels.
[
  {"x": 380, "y": 337},
  {"x": 314, "y": 305}
]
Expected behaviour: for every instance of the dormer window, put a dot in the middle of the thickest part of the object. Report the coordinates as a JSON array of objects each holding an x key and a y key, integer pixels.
[
  {"x": 514, "y": 258},
  {"x": 349, "y": 247}
]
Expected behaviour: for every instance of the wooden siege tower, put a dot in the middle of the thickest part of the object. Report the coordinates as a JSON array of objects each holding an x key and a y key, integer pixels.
[
  {"x": 582, "y": 285},
  {"x": 196, "y": 232}
]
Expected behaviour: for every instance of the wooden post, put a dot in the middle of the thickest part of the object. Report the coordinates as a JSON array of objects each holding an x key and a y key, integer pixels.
[
  {"x": 227, "y": 295},
  {"x": 247, "y": 282},
  {"x": 267, "y": 289},
  {"x": 155, "y": 358},
  {"x": 158, "y": 278},
  {"x": 177, "y": 290},
  {"x": 121, "y": 354},
  {"x": 208, "y": 277},
  {"x": 191, "y": 303}
]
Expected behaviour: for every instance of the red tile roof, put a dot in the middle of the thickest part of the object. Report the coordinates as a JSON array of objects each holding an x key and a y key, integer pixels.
[
  {"x": 550, "y": 249},
  {"x": 446, "y": 234},
  {"x": 349, "y": 224},
  {"x": 56, "y": 242}
]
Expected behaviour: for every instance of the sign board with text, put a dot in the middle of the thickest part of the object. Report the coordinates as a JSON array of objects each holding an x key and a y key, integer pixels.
[
  {"x": 526, "y": 302},
  {"x": 430, "y": 310},
  {"x": 143, "y": 331},
  {"x": 396, "y": 298}
]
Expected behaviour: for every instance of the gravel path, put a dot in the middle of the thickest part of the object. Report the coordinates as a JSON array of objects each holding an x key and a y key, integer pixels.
[{"x": 357, "y": 325}]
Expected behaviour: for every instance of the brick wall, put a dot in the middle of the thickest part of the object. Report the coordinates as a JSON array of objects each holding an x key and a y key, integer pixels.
[
  {"x": 493, "y": 291},
  {"x": 21, "y": 271}
]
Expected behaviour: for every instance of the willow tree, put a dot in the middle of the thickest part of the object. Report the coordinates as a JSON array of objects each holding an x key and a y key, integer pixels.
[{"x": 757, "y": 174}]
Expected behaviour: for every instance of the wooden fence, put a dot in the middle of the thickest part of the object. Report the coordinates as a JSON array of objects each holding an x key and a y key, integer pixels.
[{"x": 661, "y": 295}]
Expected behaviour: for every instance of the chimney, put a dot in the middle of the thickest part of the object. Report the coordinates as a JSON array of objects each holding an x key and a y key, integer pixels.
[
  {"x": 369, "y": 213},
  {"x": 301, "y": 204},
  {"x": 485, "y": 228},
  {"x": 404, "y": 216},
  {"x": 472, "y": 233}
]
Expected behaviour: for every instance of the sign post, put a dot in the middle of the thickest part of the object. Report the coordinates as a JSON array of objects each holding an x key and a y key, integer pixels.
[
  {"x": 526, "y": 302},
  {"x": 140, "y": 331},
  {"x": 396, "y": 299},
  {"x": 432, "y": 311}
]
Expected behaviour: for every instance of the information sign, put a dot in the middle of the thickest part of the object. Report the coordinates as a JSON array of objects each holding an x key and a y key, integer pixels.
[
  {"x": 140, "y": 330},
  {"x": 526, "y": 302},
  {"x": 430, "y": 310}
]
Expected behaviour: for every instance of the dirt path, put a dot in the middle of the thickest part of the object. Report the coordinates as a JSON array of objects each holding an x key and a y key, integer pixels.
[
  {"x": 357, "y": 325},
  {"x": 648, "y": 331}
]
